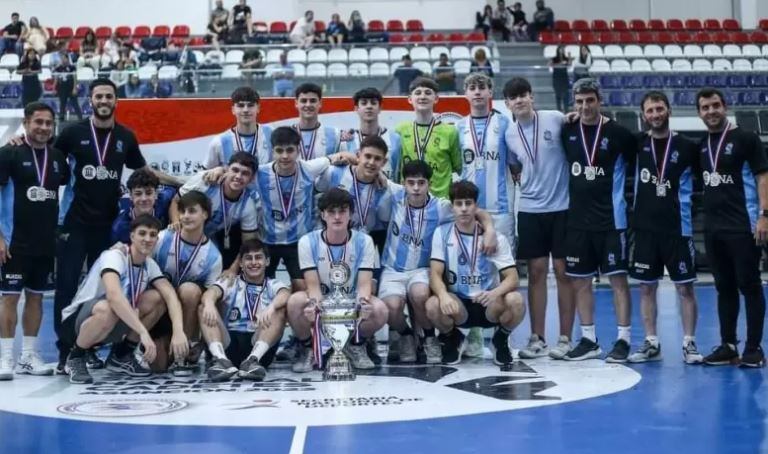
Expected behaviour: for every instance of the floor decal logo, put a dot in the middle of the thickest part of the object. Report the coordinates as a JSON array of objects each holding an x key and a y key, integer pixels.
[{"x": 121, "y": 408}]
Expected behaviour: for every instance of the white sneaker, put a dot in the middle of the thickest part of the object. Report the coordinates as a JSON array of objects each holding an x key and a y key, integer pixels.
[
  {"x": 691, "y": 354},
  {"x": 358, "y": 356},
  {"x": 475, "y": 344},
  {"x": 6, "y": 367},
  {"x": 536, "y": 348},
  {"x": 432, "y": 350},
  {"x": 559, "y": 351},
  {"x": 31, "y": 363}
]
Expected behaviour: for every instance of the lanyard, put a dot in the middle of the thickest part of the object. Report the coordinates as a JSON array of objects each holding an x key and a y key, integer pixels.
[
  {"x": 590, "y": 156},
  {"x": 421, "y": 145},
  {"x": 472, "y": 259},
  {"x": 713, "y": 161},
  {"x": 177, "y": 247},
  {"x": 532, "y": 152},
  {"x": 101, "y": 150}
]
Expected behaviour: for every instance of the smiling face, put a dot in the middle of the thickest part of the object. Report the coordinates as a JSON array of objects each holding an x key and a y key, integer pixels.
[
  {"x": 253, "y": 265},
  {"x": 39, "y": 127},
  {"x": 144, "y": 238},
  {"x": 423, "y": 99},
  {"x": 308, "y": 105},
  {"x": 238, "y": 177},
  {"x": 370, "y": 160},
  {"x": 588, "y": 106},
  {"x": 712, "y": 112},
  {"x": 193, "y": 218},
  {"x": 143, "y": 199},
  {"x": 103, "y": 101},
  {"x": 656, "y": 114}
]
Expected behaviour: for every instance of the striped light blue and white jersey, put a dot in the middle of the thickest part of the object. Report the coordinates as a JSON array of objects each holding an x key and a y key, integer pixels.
[
  {"x": 134, "y": 279},
  {"x": 319, "y": 142},
  {"x": 461, "y": 278},
  {"x": 488, "y": 170},
  {"x": 243, "y": 300},
  {"x": 225, "y": 213},
  {"x": 544, "y": 179},
  {"x": 186, "y": 262},
  {"x": 288, "y": 202},
  {"x": 229, "y": 142},
  {"x": 392, "y": 165},
  {"x": 358, "y": 253},
  {"x": 409, "y": 235},
  {"x": 369, "y": 198}
]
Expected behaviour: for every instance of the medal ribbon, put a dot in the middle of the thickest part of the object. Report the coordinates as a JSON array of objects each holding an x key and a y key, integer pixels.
[
  {"x": 330, "y": 251},
  {"x": 239, "y": 141},
  {"x": 225, "y": 209},
  {"x": 285, "y": 207},
  {"x": 479, "y": 143},
  {"x": 713, "y": 161},
  {"x": 42, "y": 173},
  {"x": 421, "y": 145},
  {"x": 177, "y": 248},
  {"x": 361, "y": 210},
  {"x": 475, "y": 242},
  {"x": 252, "y": 303},
  {"x": 660, "y": 172},
  {"x": 590, "y": 157},
  {"x": 532, "y": 152},
  {"x": 307, "y": 153},
  {"x": 362, "y": 136},
  {"x": 417, "y": 230},
  {"x": 135, "y": 284},
  {"x": 101, "y": 151}
]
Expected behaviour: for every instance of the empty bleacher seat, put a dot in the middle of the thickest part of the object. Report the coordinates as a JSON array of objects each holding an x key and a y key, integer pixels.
[
  {"x": 168, "y": 72},
  {"x": 337, "y": 70},
  {"x": 396, "y": 53},
  {"x": 338, "y": 56},
  {"x": 273, "y": 56},
  {"x": 620, "y": 98},
  {"x": 358, "y": 70},
  {"x": 750, "y": 50},
  {"x": 596, "y": 51},
  {"x": 613, "y": 51},
  {"x": 317, "y": 56},
  {"x": 700, "y": 64},
  {"x": 216, "y": 55},
  {"x": 731, "y": 50},
  {"x": 717, "y": 80},
  {"x": 673, "y": 50},
  {"x": 712, "y": 50},
  {"x": 419, "y": 53},
  {"x": 633, "y": 51},
  {"x": 299, "y": 70},
  {"x": 653, "y": 51},
  {"x": 722, "y": 64},
  {"x": 738, "y": 80},
  {"x": 85, "y": 74},
  {"x": 297, "y": 56},
  {"x": 377, "y": 54},
  {"x": 693, "y": 50},
  {"x": 145, "y": 72},
  {"x": 231, "y": 72},
  {"x": 234, "y": 56},
  {"x": 434, "y": 53},
  {"x": 600, "y": 66},
  {"x": 5, "y": 75},
  {"x": 462, "y": 67},
  {"x": 641, "y": 65},
  {"x": 423, "y": 66},
  {"x": 9, "y": 61},
  {"x": 379, "y": 69},
  {"x": 661, "y": 64},
  {"x": 681, "y": 65},
  {"x": 742, "y": 64},
  {"x": 653, "y": 81},
  {"x": 358, "y": 55},
  {"x": 619, "y": 65},
  {"x": 760, "y": 64},
  {"x": 460, "y": 53}
]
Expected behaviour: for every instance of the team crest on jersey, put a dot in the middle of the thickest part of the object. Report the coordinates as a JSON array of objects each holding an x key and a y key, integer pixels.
[
  {"x": 119, "y": 146},
  {"x": 645, "y": 175},
  {"x": 234, "y": 314},
  {"x": 576, "y": 169},
  {"x": 604, "y": 143},
  {"x": 612, "y": 259},
  {"x": 682, "y": 267},
  {"x": 469, "y": 156},
  {"x": 729, "y": 148},
  {"x": 277, "y": 215},
  {"x": 674, "y": 157},
  {"x": 548, "y": 135},
  {"x": 450, "y": 277},
  {"x": 462, "y": 259}
]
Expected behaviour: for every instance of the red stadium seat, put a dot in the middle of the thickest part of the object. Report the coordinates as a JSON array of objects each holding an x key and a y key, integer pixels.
[
  {"x": 693, "y": 25},
  {"x": 74, "y": 46},
  {"x": 599, "y": 25},
  {"x": 458, "y": 37},
  {"x": 739, "y": 38},
  {"x": 395, "y": 26},
  {"x": 161, "y": 31},
  {"x": 619, "y": 25},
  {"x": 177, "y": 41},
  {"x": 51, "y": 31},
  {"x": 587, "y": 38},
  {"x": 278, "y": 27},
  {"x": 608, "y": 38},
  {"x": 568, "y": 38},
  {"x": 141, "y": 31},
  {"x": 580, "y": 25},
  {"x": 637, "y": 25},
  {"x": 702, "y": 38},
  {"x": 712, "y": 25},
  {"x": 414, "y": 25},
  {"x": 320, "y": 26},
  {"x": 547, "y": 37},
  {"x": 656, "y": 25},
  {"x": 416, "y": 38},
  {"x": 103, "y": 32},
  {"x": 627, "y": 38},
  {"x": 731, "y": 25},
  {"x": 182, "y": 31},
  {"x": 683, "y": 38},
  {"x": 665, "y": 38},
  {"x": 197, "y": 41},
  {"x": 758, "y": 37},
  {"x": 675, "y": 25},
  {"x": 763, "y": 25},
  {"x": 720, "y": 37},
  {"x": 646, "y": 38},
  {"x": 562, "y": 26},
  {"x": 81, "y": 31},
  {"x": 475, "y": 37},
  {"x": 436, "y": 38},
  {"x": 397, "y": 38},
  {"x": 64, "y": 33},
  {"x": 123, "y": 31},
  {"x": 376, "y": 26}
]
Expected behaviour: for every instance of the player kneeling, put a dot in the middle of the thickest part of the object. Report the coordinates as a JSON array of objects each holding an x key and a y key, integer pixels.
[
  {"x": 465, "y": 281},
  {"x": 254, "y": 308}
]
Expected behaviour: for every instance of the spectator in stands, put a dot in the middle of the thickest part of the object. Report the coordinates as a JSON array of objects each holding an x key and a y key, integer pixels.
[
  {"x": 220, "y": 11},
  {"x": 29, "y": 68},
  {"x": 303, "y": 32},
  {"x": 65, "y": 85},
  {"x": 336, "y": 31},
  {"x": 12, "y": 33},
  {"x": 356, "y": 27},
  {"x": 404, "y": 74},
  {"x": 282, "y": 84},
  {"x": 128, "y": 52},
  {"x": 133, "y": 87},
  {"x": 481, "y": 64},
  {"x": 211, "y": 66},
  {"x": 54, "y": 56},
  {"x": 519, "y": 23},
  {"x": 559, "y": 67},
  {"x": 89, "y": 52},
  {"x": 581, "y": 64},
  {"x": 501, "y": 21},
  {"x": 445, "y": 76},
  {"x": 36, "y": 37},
  {"x": 252, "y": 63},
  {"x": 242, "y": 24},
  {"x": 152, "y": 48},
  {"x": 484, "y": 20},
  {"x": 172, "y": 53},
  {"x": 119, "y": 75},
  {"x": 111, "y": 49},
  {"x": 154, "y": 88},
  {"x": 217, "y": 30},
  {"x": 543, "y": 19}
]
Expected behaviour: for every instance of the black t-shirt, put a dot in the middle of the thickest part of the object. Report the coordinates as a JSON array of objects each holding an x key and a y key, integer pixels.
[
  {"x": 30, "y": 215},
  {"x": 671, "y": 211},
  {"x": 14, "y": 29},
  {"x": 731, "y": 202},
  {"x": 91, "y": 198},
  {"x": 239, "y": 13},
  {"x": 598, "y": 204},
  {"x": 65, "y": 75}
]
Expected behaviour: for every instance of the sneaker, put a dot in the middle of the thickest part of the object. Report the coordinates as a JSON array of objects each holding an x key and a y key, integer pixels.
[
  {"x": 752, "y": 357},
  {"x": 619, "y": 353},
  {"x": 536, "y": 348},
  {"x": 648, "y": 352},
  {"x": 585, "y": 349},
  {"x": 372, "y": 348},
  {"x": 691, "y": 354},
  {"x": 452, "y": 346},
  {"x": 78, "y": 371},
  {"x": 221, "y": 370},
  {"x": 303, "y": 361},
  {"x": 407, "y": 348},
  {"x": 185, "y": 368},
  {"x": 432, "y": 351},
  {"x": 358, "y": 356},
  {"x": 32, "y": 364},
  {"x": 502, "y": 355},
  {"x": 561, "y": 349},
  {"x": 393, "y": 347},
  {"x": 132, "y": 364},
  {"x": 250, "y": 369},
  {"x": 6, "y": 367},
  {"x": 722, "y": 355},
  {"x": 288, "y": 352},
  {"x": 92, "y": 359},
  {"x": 475, "y": 347},
  {"x": 61, "y": 367}
]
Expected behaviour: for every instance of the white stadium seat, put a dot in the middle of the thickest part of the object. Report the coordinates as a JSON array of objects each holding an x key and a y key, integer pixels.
[
  {"x": 338, "y": 56},
  {"x": 661, "y": 64},
  {"x": 9, "y": 61},
  {"x": 701, "y": 64},
  {"x": 673, "y": 50},
  {"x": 722, "y": 64},
  {"x": 85, "y": 74},
  {"x": 760, "y": 64},
  {"x": 750, "y": 50},
  {"x": 460, "y": 53},
  {"x": 358, "y": 69},
  {"x": 297, "y": 56},
  {"x": 613, "y": 51},
  {"x": 742, "y": 64},
  {"x": 273, "y": 55},
  {"x": 215, "y": 55},
  {"x": 299, "y": 70},
  {"x": 420, "y": 53},
  {"x": 234, "y": 56},
  {"x": 765, "y": 50},
  {"x": 596, "y": 51},
  {"x": 199, "y": 55},
  {"x": 423, "y": 66},
  {"x": 731, "y": 50},
  {"x": 145, "y": 72},
  {"x": 338, "y": 70},
  {"x": 317, "y": 56},
  {"x": 316, "y": 70},
  {"x": 45, "y": 61},
  {"x": 572, "y": 50},
  {"x": 681, "y": 65},
  {"x": 168, "y": 72},
  {"x": 394, "y": 66},
  {"x": 5, "y": 75},
  {"x": 713, "y": 50},
  {"x": 379, "y": 69},
  {"x": 633, "y": 51},
  {"x": 653, "y": 51},
  {"x": 396, "y": 53},
  {"x": 462, "y": 67},
  {"x": 358, "y": 55},
  {"x": 434, "y": 53},
  {"x": 378, "y": 54},
  {"x": 692, "y": 50},
  {"x": 231, "y": 72},
  {"x": 600, "y": 66},
  {"x": 641, "y": 65},
  {"x": 620, "y": 65},
  {"x": 549, "y": 51},
  {"x": 45, "y": 74}
]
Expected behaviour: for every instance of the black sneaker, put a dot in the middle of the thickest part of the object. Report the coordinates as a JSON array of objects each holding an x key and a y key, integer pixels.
[
  {"x": 619, "y": 353},
  {"x": 92, "y": 359},
  {"x": 250, "y": 369},
  {"x": 185, "y": 368},
  {"x": 502, "y": 354},
  {"x": 61, "y": 367},
  {"x": 722, "y": 355},
  {"x": 585, "y": 349},
  {"x": 130, "y": 365},
  {"x": 221, "y": 370},
  {"x": 289, "y": 350},
  {"x": 372, "y": 348},
  {"x": 78, "y": 371},
  {"x": 452, "y": 346},
  {"x": 753, "y": 357}
]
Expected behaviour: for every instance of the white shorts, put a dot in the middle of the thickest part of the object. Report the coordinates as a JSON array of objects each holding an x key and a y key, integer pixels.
[{"x": 397, "y": 283}]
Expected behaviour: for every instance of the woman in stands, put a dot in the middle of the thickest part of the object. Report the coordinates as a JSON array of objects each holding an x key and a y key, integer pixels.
[
  {"x": 559, "y": 67},
  {"x": 29, "y": 68},
  {"x": 483, "y": 21},
  {"x": 582, "y": 64},
  {"x": 89, "y": 52},
  {"x": 36, "y": 37},
  {"x": 336, "y": 31},
  {"x": 481, "y": 64},
  {"x": 356, "y": 27}
]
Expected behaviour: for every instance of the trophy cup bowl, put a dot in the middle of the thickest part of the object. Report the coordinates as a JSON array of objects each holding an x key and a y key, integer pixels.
[{"x": 338, "y": 317}]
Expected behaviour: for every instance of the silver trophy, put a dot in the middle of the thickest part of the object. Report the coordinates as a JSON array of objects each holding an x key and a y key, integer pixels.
[{"x": 338, "y": 318}]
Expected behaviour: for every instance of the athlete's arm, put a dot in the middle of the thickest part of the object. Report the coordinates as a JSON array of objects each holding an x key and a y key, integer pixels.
[
  {"x": 509, "y": 283},
  {"x": 264, "y": 319},
  {"x": 761, "y": 229},
  {"x": 164, "y": 177},
  {"x": 122, "y": 308},
  {"x": 209, "y": 300},
  {"x": 364, "y": 284},
  {"x": 312, "y": 281},
  {"x": 448, "y": 305},
  {"x": 179, "y": 343},
  {"x": 173, "y": 213},
  {"x": 489, "y": 234}
]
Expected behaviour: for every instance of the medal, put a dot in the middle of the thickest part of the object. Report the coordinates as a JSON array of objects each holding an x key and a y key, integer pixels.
[
  {"x": 178, "y": 249},
  {"x": 285, "y": 205},
  {"x": 307, "y": 151},
  {"x": 227, "y": 222},
  {"x": 576, "y": 169},
  {"x": 418, "y": 226},
  {"x": 252, "y": 302},
  {"x": 336, "y": 263},
  {"x": 239, "y": 141},
  {"x": 135, "y": 290},
  {"x": 714, "y": 177},
  {"x": 479, "y": 142},
  {"x": 101, "y": 153},
  {"x": 531, "y": 151},
  {"x": 362, "y": 210},
  {"x": 590, "y": 171},
  {"x": 41, "y": 169},
  {"x": 421, "y": 145},
  {"x": 471, "y": 257},
  {"x": 661, "y": 190}
]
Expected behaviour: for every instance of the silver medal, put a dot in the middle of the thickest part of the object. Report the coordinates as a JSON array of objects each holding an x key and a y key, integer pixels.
[
  {"x": 589, "y": 173},
  {"x": 102, "y": 173},
  {"x": 661, "y": 190},
  {"x": 714, "y": 179}
]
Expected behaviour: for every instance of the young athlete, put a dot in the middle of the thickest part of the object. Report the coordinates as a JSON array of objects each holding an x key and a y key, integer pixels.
[
  {"x": 368, "y": 108},
  {"x": 317, "y": 141},
  {"x": 144, "y": 197},
  {"x": 465, "y": 281},
  {"x": 113, "y": 306},
  {"x": 242, "y": 320}
]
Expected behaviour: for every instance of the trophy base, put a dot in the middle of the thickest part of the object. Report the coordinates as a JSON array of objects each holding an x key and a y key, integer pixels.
[{"x": 338, "y": 368}]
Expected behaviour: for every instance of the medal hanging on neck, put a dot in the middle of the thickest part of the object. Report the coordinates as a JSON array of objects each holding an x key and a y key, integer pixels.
[
  {"x": 177, "y": 249},
  {"x": 531, "y": 151},
  {"x": 134, "y": 282},
  {"x": 39, "y": 193},
  {"x": 101, "y": 152},
  {"x": 661, "y": 188},
  {"x": 241, "y": 146},
  {"x": 590, "y": 171},
  {"x": 362, "y": 209},
  {"x": 479, "y": 141},
  {"x": 307, "y": 152},
  {"x": 470, "y": 256},
  {"x": 225, "y": 208},
  {"x": 252, "y": 303},
  {"x": 416, "y": 227},
  {"x": 286, "y": 205},
  {"x": 337, "y": 264},
  {"x": 421, "y": 145},
  {"x": 714, "y": 176}
]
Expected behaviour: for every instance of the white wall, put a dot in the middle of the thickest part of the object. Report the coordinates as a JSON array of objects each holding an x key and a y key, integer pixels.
[{"x": 433, "y": 13}]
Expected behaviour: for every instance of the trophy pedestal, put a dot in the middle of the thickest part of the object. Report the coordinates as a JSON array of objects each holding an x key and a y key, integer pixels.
[{"x": 338, "y": 368}]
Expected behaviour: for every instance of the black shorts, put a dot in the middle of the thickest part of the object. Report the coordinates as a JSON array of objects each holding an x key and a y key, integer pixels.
[
  {"x": 240, "y": 346},
  {"x": 290, "y": 255},
  {"x": 476, "y": 316},
  {"x": 33, "y": 273},
  {"x": 589, "y": 253},
  {"x": 652, "y": 251},
  {"x": 541, "y": 234},
  {"x": 162, "y": 328},
  {"x": 228, "y": 255}
]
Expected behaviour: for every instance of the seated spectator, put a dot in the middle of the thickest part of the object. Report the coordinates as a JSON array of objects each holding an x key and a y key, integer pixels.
[
  {"x": 356, "y": 28},
  {"x": 282, "y": 85},
  {"x": 501, "y": 20},
  {"x": 519, "y": 23},
  {"x": 111, "y": 49},
  {"x": 211, "y": 67},
  {"x": 89, "y": 52},
  {"x": 29, "y": 68},
  {"x": 481, "y": 64},
  {"x": 133, "y": 87},
  {"x": 445, "y": 76},
  {"x": 36, "y": 37},
  {"x": 543, "y": 19},
  {"x": 152, "y": 48},
  {"x": 580, "y": 65},
  {"x": 154, "y": 88},
  {"x": 220, "y": 11},
  {"x": 484, "y": 20},
  {"x": 252, "y": 61},
  {"x": 405, "y": 74},
  {"x": 242, "y": 24},
  {"x": 12, "y": 33},
  {"x": 128, "y": 52},
  {"x": 54, "y": 56},
  {"x": 217, "y": 31},
  {"x": 336, "y": 31},
  {"x": 172, "y": 54},
  {"x": 303, "y": 32},
  {"x": 65, "y": 85},
  {"x": 119, "y": 75}
]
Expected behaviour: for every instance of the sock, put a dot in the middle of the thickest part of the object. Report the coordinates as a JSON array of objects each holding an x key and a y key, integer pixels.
[
  {"x": 624, "y": 333},
  {"x": 28, "y": 344},
  {"x": 654, "y": 340},
  {"x": 588, "y": 331},
  {"x": 505, "y": 331},
  {"x": 217, "y": 350},
  {"x": 688, "y": 339},
  {"x": 77, "y": 352},
  {"x": 429, "y": 332},
  {"x": 6, "y": 346},
  {"x": 407, "y": 331},
  {"x": 259, "y": 349}
]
